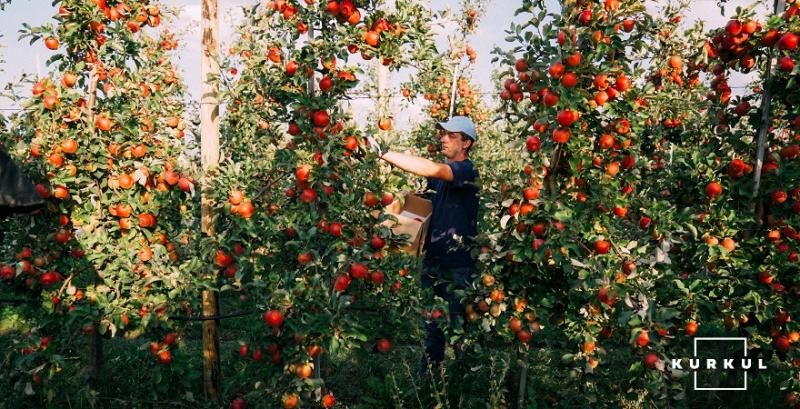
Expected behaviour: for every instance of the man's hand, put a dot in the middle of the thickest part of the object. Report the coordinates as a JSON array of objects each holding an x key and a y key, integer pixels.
[{"x": 374, "y": 146}]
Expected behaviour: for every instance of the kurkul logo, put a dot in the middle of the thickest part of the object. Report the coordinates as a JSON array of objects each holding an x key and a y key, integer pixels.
[{"x": 696, "y": 364}]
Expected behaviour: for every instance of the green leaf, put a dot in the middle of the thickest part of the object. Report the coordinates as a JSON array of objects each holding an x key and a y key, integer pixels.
[
  {"x": 567, "y": 358},
  {"x": 681, "y": 286},
  {"x": 563, "y": 215},
  {"x": 334, "y": 345}
]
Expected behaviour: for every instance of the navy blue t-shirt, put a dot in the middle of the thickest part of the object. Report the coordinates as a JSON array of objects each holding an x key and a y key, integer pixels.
[{"x": 455, "y": 214}]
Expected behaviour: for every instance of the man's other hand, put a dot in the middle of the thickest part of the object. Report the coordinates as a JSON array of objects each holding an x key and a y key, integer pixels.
[{"x": 374, "y": 146}]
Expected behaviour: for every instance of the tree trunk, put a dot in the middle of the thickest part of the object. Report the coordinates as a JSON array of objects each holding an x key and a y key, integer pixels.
[
  {"x": 523, "y": 378},
  {"x": 95, "y": 366}
]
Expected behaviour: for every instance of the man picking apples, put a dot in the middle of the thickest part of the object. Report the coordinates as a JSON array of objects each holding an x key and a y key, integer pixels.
[{"x": 447, "y": 264}]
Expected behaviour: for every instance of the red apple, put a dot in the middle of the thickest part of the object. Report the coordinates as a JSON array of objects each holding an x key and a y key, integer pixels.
[
  {"x": 273, "y": 318},
  {"x": 650, "y": 360}
]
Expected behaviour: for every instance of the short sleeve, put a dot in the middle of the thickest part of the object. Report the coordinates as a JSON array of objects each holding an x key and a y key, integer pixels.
[
  {"x": 463, "y": 172},
  {"x": 430, "y": 187}
]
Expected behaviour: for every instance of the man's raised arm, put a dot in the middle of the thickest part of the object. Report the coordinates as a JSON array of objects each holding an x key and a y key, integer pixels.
[{"x": 419, "y": 166}]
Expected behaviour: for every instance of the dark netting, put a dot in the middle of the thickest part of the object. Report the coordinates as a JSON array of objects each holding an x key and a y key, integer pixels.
[{"x": 17, "y": 193}]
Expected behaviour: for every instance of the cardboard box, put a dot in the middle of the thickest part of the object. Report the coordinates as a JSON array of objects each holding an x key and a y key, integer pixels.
[{"x": 413, "y": 218}]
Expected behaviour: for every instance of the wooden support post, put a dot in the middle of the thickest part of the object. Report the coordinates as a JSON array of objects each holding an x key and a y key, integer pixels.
[
  {"x": 761, "y": 146},
  {"x": 311, "y": 89},
  {"x": 209, "y": 156},
  {"x": 382, "y": 72},
  {"x": 383, "y": 86},
  {"x": 94, "y": 367},
  {"x": 453, "y": 89}
]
